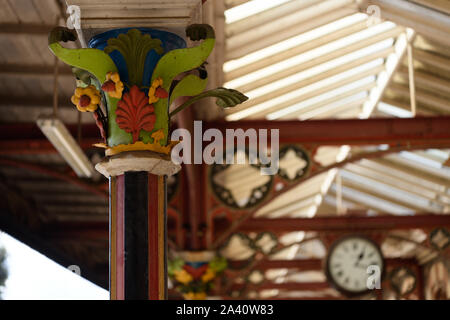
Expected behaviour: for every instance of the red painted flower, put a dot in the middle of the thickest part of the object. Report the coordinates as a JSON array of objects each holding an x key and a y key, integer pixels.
[
  {"x": 134, "y": 113},
  {"x": 196, "y": 273}
]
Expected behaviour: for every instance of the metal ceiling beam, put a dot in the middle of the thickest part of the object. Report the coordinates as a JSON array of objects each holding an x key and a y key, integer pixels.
[
  {"x": 310, "y": 264},
  {"x": 333, "y": 224},
  {"x": 27, "y": 138},
  {"x": 301, "y": 265},
  {"x": 351, "y": 131},
  {"x": 290, "y": 286}
]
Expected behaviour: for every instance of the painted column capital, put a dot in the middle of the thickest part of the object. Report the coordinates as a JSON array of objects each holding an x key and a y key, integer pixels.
[{"x": 129, "y": 77}]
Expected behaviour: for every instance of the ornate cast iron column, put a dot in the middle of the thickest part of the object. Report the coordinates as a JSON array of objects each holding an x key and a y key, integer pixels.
[{"x": 128, "y": 78}]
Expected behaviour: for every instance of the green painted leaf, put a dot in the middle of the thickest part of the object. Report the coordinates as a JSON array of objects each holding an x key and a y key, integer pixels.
[
  {"x": 174, "y": 265},
  {"x": 178, "y": 61},
  {"x": 189, "y": 86},
  {"x": 94, "y": 61},
  {"x": 218, "y": 264},
  {"x": 226, "y": 98}
]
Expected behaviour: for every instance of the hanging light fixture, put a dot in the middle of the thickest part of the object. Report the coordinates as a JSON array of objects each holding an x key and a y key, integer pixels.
[{"x": 57, "y": 133}]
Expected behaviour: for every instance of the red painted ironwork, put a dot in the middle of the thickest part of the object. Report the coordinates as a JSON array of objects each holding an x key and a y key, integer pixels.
[
  {"x": 153, "y": 238},
  {"x": 342, "y": 223}
]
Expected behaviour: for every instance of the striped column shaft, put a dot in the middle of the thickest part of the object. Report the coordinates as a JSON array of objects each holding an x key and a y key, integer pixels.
[{"x": 138, "y": 237}]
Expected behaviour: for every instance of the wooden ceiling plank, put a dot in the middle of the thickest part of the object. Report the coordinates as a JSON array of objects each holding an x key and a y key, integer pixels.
[
  {"x": 386, "y": 178},
  {"x": 320, "y": 60},
  {"x": 267, "y": 16},
  {"x": 7, "y": 14},
  {"x": 48, "y": 10},
  {"x": 285, "y": 22},
  {"x": 234, "y": 3},
  {"x": 432, "y": 59},
  {"x": 346, "y": 94},
  {"x": 422, "y": 23},
  {"x": 388, "y": 197},
  {"x": 440, "y": 5},
  {"x": 304, "y": 47},
  {"x": 428, "y": 81},
  {"x": 347, "y": 198},
  {"x": 283, "y": 34},
  {"x": 26, "y": 11},
  {"x": 347, "y": 110},
  {"x": 402, "y": 176},
  {"x": 25, "y": 70},
  {"x": 311, "y": 80},
  {"x": 444, "y": 184},
  {"x": 400, "y": 104},
  {"x": 421, "y": 17},
  {"x": 425, "y": 98}
]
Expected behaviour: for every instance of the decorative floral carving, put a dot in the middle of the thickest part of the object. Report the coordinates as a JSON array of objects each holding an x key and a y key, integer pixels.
[
  {"x": 113, "y": 86},
  {"x": 156, "y": 91},
  {"x": 134, "y": 113},
  {"x": 86, "y": 99},
  {"x": 194, "y": 280}
]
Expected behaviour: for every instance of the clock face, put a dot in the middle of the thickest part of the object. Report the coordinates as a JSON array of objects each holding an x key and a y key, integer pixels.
[{"x": 348, "y": 263}]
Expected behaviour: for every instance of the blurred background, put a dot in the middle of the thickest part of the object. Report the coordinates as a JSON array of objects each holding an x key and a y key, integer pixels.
[{"x": 305, "y": 65}]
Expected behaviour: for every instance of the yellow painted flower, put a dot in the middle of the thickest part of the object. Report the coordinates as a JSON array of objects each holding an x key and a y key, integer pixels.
[
  {"x": 113, "y": 85},
  {"x": 183, "y": 276},
  {"x": 194, "y": 295},
  {"x": 209, "y": 275},
  {"x": 86, "y": 99},
  {"x": 156, "y": 91}
]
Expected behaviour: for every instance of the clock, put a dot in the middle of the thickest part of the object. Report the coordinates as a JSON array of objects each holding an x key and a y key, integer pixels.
[{"x": 350, "y": 262}]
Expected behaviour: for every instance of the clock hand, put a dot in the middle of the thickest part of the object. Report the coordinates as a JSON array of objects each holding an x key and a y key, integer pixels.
[
  {"x": 362, "y": 254},
  {"x": 360, "y": 257}
]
